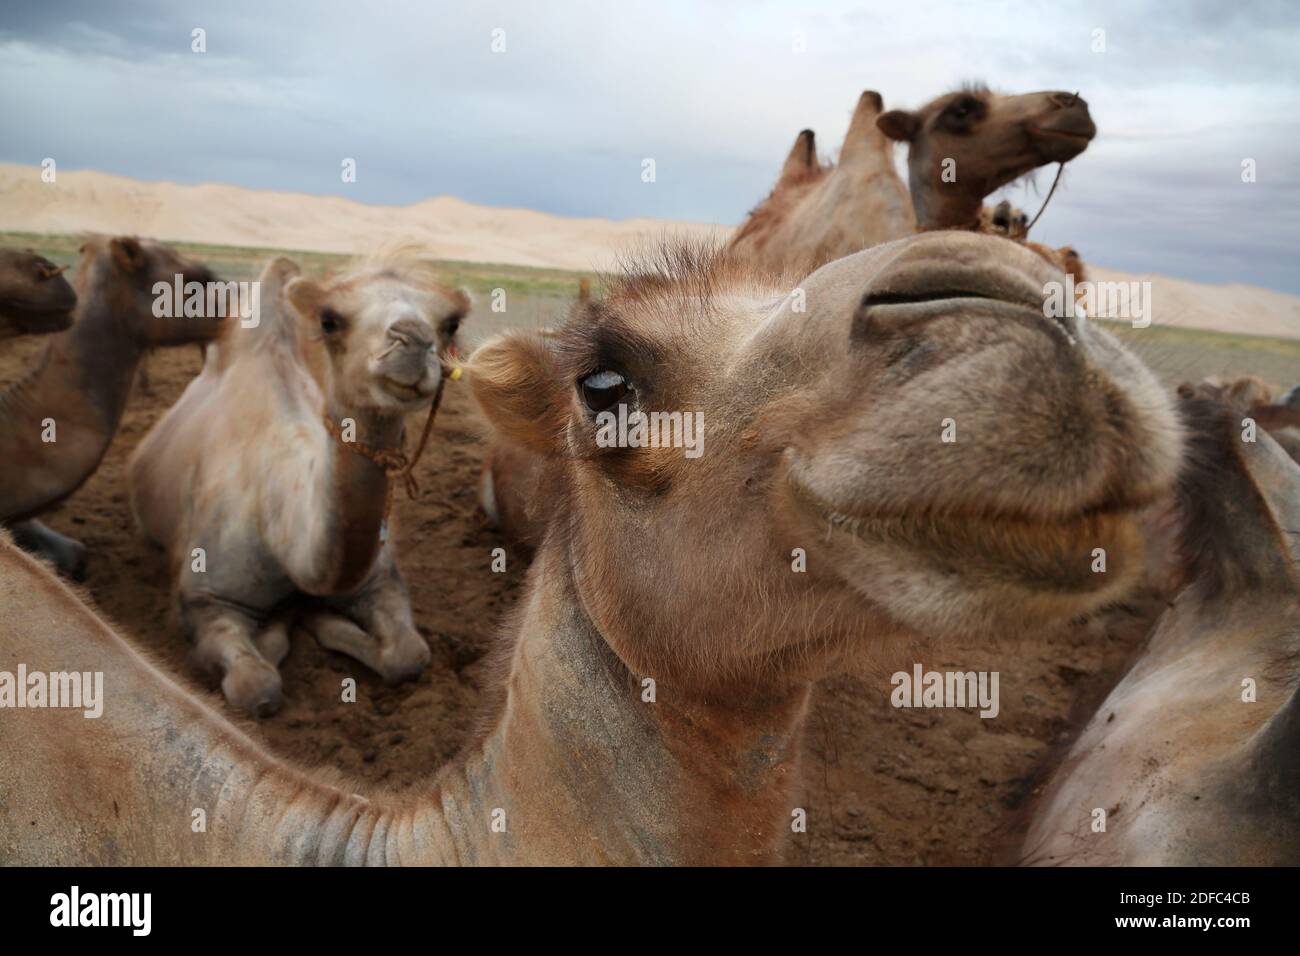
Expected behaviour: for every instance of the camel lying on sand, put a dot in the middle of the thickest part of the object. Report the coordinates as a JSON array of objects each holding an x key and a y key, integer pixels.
[
  {"x": 1194, "y": 758},
  {"x": 289, "y": 442},
  {"x": 35, "y": 299},
  {"x": 679, "y": 610},
  {"x": 57, "y": 423}
]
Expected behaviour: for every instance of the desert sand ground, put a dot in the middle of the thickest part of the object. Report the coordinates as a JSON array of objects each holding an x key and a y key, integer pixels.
[{"x": 882, "y": 785}]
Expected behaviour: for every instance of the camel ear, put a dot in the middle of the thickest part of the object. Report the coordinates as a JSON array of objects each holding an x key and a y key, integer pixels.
[
  {"x": 464, "y": 300},
  {"x": 305, "y": 295},
  {"x": 128, "y": 252},
  {"x": 802, "y": 158},
  {"x": 516, "y": 381},
  {"x": 899, "y": 125}
]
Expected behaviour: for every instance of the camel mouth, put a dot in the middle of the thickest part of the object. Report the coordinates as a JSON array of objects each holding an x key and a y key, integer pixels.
[
  {"x": 864, "y": 521},
  {"x": 422, "y": 389},
  {"x": 1056, "y": 551},
  {"x": 1059, "y": 144},
  {"x": 919, "y": 288},
  {"x": 39, "y": 319}
]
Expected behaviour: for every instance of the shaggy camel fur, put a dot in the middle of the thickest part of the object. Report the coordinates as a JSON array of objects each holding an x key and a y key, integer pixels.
[
  {"x": 664, "y": 654},
  {"x": 1194, "y": 758},
  {"x": 35, "y": 299},
  {"x": 277, "y": 497},
  {"x": 56, "y": 424}
]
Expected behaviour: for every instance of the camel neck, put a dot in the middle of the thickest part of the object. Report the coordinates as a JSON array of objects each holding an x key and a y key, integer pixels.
[
  {"x": 360, "y": 495},
  {"x": 586, "y": 765},
  {"x": 74, "y": 399},
  {"x": 87, "y": 372},
  {"x": 939, "y": 204}
]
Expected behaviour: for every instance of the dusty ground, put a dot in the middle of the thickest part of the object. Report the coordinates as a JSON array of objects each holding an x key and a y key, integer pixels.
[{"x": 883, "y": 785}]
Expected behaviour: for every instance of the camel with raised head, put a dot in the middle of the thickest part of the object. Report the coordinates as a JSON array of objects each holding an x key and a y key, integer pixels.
[
  {"x": 964, "y": 145},
  {"x": 1194, "y": 758},
  {"x": 654, "y": 692},
  {"x": 58, "y": 422},
  {"x": 820, "y": 212},
  {"x": 35, "y": 298},
  {"x": 273, "y": 474}
]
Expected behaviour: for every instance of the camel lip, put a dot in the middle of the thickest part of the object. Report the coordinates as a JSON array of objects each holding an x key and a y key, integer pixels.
[
  {"x": 408, "y": 392},
  {"x": 857, "y": 522},
  {"x": 37, "y": 319},
  {"x": 921, "y": 303}
]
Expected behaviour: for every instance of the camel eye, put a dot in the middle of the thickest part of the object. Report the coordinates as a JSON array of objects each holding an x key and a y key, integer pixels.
[
  {"x": 451, "y": 326},
  {"x": 963, "y": 108},
  {"x": 602, "y": 389},
  {"x": 330, "y": 321}
]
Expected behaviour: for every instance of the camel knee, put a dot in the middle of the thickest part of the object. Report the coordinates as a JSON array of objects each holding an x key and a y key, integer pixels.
[
  {"x": 224, "y": 643},
  {"x": 404, "y": 657},
  {"x": 253, "y": 685}
]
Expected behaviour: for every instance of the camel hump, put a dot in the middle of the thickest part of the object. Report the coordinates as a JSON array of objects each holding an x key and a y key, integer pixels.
[
  {"x": 864, "y": 136},
  {"x": 265, "y": 318},
  {"x": 802, "y": 159}
]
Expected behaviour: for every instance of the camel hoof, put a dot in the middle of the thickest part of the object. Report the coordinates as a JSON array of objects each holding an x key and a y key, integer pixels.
[
  {"x": 406, "y": 662},
  {"x": 254, "y": 687},
  {"x": 73, "y": 564}
]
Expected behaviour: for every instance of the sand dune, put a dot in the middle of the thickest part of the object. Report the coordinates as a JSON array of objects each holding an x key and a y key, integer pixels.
[{"x": 455, "y": 229}]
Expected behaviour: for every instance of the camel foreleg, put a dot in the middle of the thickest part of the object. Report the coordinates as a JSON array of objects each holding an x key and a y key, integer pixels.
[
  {"x": 66, "y": 554},
  {"x": 228, "y": 642},
  {"x": 374, "y": 626}
]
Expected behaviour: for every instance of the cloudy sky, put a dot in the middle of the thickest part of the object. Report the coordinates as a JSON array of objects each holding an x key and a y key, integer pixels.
[{"x": 713, "y": 91}]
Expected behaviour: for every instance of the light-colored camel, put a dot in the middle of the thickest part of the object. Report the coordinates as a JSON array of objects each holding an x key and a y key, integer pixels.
[
  {"x": 819, "y": 212},
  {"x": 1194, "y": 758},
  {"x": 57, "y": 423},
  {"x": 35, "y": 299},
  {"x": 277, "y": 467},
  {"x": 663, "y": 657}
]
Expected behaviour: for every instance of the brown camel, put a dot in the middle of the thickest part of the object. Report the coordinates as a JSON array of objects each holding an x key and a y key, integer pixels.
[
  {"x": 35, "y": 299},
  {"x": 1194, "y": 758},
  {"x": 663, "y": 657},
  {"x": 57, "y": 424},
  {"x": 289, "y": 442},
  {"x": 964, "y": 145},
  {"x": 1005, "y": 220},
  {"x": 819, "y": 212}
]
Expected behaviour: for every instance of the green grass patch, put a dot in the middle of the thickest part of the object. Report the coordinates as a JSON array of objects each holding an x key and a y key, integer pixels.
[{"x": 246, "y": 262}]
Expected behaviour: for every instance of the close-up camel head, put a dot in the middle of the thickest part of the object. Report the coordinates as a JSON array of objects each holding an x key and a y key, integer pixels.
[
  {"x": 966, "y": 144},
  {"x": 902, "y": 446},
  {"x": 35, "y": 298},
  {"x": 128, "y": 271},
  {"x": 386, "y": 328}
]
